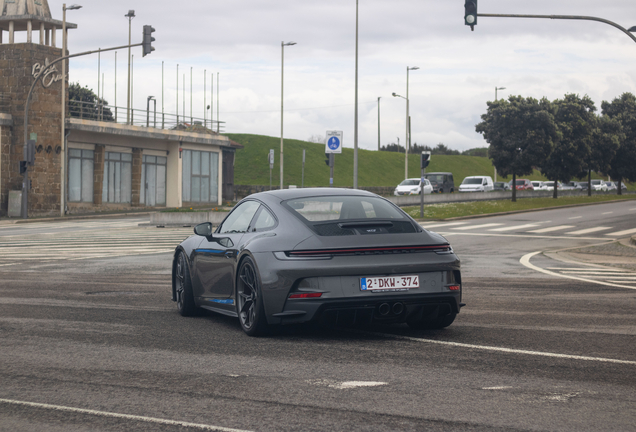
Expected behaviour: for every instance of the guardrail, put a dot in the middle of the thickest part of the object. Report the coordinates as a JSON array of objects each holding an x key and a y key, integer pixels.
[{"x": 148, "y": 117}]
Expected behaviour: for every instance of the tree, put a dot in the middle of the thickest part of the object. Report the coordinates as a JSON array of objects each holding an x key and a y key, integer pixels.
[
  {"x": 576, "y": 123},
  {"x": 623, "y": 165},
  {"x": 608, "y": 137},
  {"x": 392, "y": 148},
  {"x": 84, "y": 103},
  {"x": 317, "y": 138},
  {"x": 521, "y": 133}
]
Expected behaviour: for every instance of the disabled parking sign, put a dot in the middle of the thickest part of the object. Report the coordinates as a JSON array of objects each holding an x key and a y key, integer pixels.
[{"x": 333, "y": 142}]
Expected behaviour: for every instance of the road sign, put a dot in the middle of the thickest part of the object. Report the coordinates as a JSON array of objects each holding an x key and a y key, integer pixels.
[
  {"x": 271, "y": 158},
  {"x": 333, "y": 142}
]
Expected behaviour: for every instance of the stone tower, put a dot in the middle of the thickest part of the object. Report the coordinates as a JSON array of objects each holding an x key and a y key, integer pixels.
[{"x": 19, "y": 64}]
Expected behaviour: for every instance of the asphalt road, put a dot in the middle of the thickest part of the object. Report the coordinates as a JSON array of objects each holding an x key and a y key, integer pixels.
[{"x": 91, "y": 341}]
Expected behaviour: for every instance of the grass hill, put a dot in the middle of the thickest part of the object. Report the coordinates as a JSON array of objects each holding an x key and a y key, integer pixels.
[{"x": 374, "y": 168}]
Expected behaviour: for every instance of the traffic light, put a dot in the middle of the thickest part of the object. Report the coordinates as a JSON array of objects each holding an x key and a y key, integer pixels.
[
  {"x": 425, "y": 159},
  {"x": 148, "y": 40},
  {"x": 470, "y": 13}
]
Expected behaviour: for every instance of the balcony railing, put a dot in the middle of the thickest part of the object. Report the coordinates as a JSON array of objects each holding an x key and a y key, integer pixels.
[{"x": 148, "y": 117}]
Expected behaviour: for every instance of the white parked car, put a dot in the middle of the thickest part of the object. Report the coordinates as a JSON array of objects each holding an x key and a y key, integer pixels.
[
  {"x": 412, "y": 186},
  {"x": 611, "y": 185},
  {"x": 536, "y": 184},
  {"x": 599, "y": 185},
  {"x": 549, "y": 185},
  {"x": 476, "y": 184}
]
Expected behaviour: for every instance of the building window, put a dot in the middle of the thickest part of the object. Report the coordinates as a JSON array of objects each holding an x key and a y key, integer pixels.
[
  {"x": 153, "y": 181},
  {"x": 117, "y": 178},
  {"x": 200, "y": 176},
  {"x": 80, "y": 175}
]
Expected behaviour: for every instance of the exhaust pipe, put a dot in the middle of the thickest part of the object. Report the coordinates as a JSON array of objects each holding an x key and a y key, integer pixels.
[
  {"x": 384, "y": 309},
  {"x": 398, "y": 308}
]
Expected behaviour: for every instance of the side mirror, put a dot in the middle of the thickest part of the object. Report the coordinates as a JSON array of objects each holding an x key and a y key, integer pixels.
[{"x": 204, "y": 229}]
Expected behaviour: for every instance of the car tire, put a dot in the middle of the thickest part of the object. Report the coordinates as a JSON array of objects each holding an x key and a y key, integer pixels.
[
  {"x": 433, "y": 324},
  {"x": 183, "y": 288},
  {"x": 249, "y": 300}
]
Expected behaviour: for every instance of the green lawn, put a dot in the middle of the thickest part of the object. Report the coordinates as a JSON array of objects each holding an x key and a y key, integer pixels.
[
  {"x": 374, "y": 168},
  {"x": 451, "y": 210}
]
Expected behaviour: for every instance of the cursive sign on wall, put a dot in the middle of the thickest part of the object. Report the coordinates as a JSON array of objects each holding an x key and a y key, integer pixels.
[{"x": 50, "y": 75}]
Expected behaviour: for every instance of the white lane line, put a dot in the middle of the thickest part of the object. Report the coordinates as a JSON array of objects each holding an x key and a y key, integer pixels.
[
  {"x": 478, "y": 226},
  {"x": 442, "y": 224},
  {"x": 576, "y": 217},
  {"x": 344, "y": 385},
  {"x": 592, "y": 269},
  {"x": 509, "y": 350},
  {"x": 634, "y": 209},
  {"x": 530, "y": 236},
  {"x": 589, "y": 230},
  {"x": 525, "y": 260},
  {"x": 513, "y": 228},
  {"x": 121, "y": 416},
  {"x": 622, "y": 233},
  {"x": 607, "y": 213},
  {"x": 553, "y": 228}
]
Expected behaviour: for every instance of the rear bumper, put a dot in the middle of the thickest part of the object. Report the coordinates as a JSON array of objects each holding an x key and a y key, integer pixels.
[{"x": 381, "y": 309}]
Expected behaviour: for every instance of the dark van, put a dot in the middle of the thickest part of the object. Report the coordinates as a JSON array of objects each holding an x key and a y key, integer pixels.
[{"x": 442, "y": 182}]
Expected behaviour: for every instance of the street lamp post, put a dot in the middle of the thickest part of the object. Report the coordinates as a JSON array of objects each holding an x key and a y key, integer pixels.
[
  {"x": 407, "y": 143},
  {"x": 63, "y": 137},
  {"x": 282, "y": 67},
  {"x": 498, "y": 88},
  {"x": 130, "y": 15},
  {"x": 355, "y": 113},
  {"x": 378, "y": 123}
]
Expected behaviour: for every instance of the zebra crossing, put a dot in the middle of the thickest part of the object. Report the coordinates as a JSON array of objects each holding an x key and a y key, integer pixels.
[
  {"x": 531, "y": 228},
  {"x": 110, "y": 239}
]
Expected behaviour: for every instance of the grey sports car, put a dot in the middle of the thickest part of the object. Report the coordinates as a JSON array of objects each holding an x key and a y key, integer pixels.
[{"x": 334, "y": 256}]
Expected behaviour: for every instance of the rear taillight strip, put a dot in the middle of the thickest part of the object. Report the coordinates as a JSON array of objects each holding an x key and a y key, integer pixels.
[{"x": 406, "y": 249}]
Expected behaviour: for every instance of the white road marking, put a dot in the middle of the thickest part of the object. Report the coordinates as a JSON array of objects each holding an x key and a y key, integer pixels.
[
  {"x": 634, "y": 209},
  {"x": 576, "y": 217},
  {"x": 442, "y": 224},
  {"x": 589, "y": 230},
  {"x": 525, "y": 260},
  {"x": 553, "y": 228},
  {"x": 510, "y": 350},
  {"x": 478, "y": 226},
  {"x": 344, "y": 385},
  {"x": 513, "y": 228},
  {"x": 607, "y": 213},
  {"x": 121, "y": 416},
  {"x": 447, "y": 233},
  {"x": 622, "y": 233},
  {"x": 497, "y": 388}
]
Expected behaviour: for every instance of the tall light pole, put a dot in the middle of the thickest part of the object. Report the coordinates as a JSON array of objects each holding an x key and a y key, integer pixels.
[
  {"x": 406, "y": 151},
  {"x": 282, "y": 67},
  {"x": 355, "y": 115},
  {"x": 407, "y": 143},
  {"x": 63, "y": 137},
  {"x": 498, "y": 88},
  {"x": 130, "y": 15},
  {"x": 379, "y": 123}
]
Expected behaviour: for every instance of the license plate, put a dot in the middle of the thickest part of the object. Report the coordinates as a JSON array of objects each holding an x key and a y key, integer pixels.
[{"x": 389, "y": 283}]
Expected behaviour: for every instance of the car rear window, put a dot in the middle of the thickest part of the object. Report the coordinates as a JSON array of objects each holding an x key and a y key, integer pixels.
[
  {"x": 520, "y": 182},
  {"x": 333, "y": 215}
]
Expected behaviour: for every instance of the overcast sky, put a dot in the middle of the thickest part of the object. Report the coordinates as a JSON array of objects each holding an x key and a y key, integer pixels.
[{"x": 459, "y": 69}]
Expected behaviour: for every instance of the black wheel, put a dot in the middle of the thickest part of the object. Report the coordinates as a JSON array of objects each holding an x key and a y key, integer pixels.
[
  {"x": 433, "y": 324},
  {"x": 183, "y": 288},
  {"x": 249, "y": 300}
]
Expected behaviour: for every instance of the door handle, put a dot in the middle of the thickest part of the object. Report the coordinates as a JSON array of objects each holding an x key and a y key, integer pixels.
[{"x": 229, "y": 254}]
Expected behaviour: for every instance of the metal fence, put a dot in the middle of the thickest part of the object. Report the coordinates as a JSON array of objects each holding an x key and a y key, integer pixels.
[{"x": 148, "y": 117}]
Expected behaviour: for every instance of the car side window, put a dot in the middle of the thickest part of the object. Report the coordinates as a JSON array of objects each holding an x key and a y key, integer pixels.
[
  {"x": 239, "y": 220},
  {"x": 264, "y": 220}
]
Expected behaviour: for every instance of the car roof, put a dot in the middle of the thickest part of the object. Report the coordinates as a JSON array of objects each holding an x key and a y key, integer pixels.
[
  {"x": 285, "y": 194},
  {"x": 438, "y": 173}
]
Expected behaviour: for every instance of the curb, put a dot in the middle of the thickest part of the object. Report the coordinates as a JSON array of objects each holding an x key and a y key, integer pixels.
[{"x": 72, "y": 217}]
